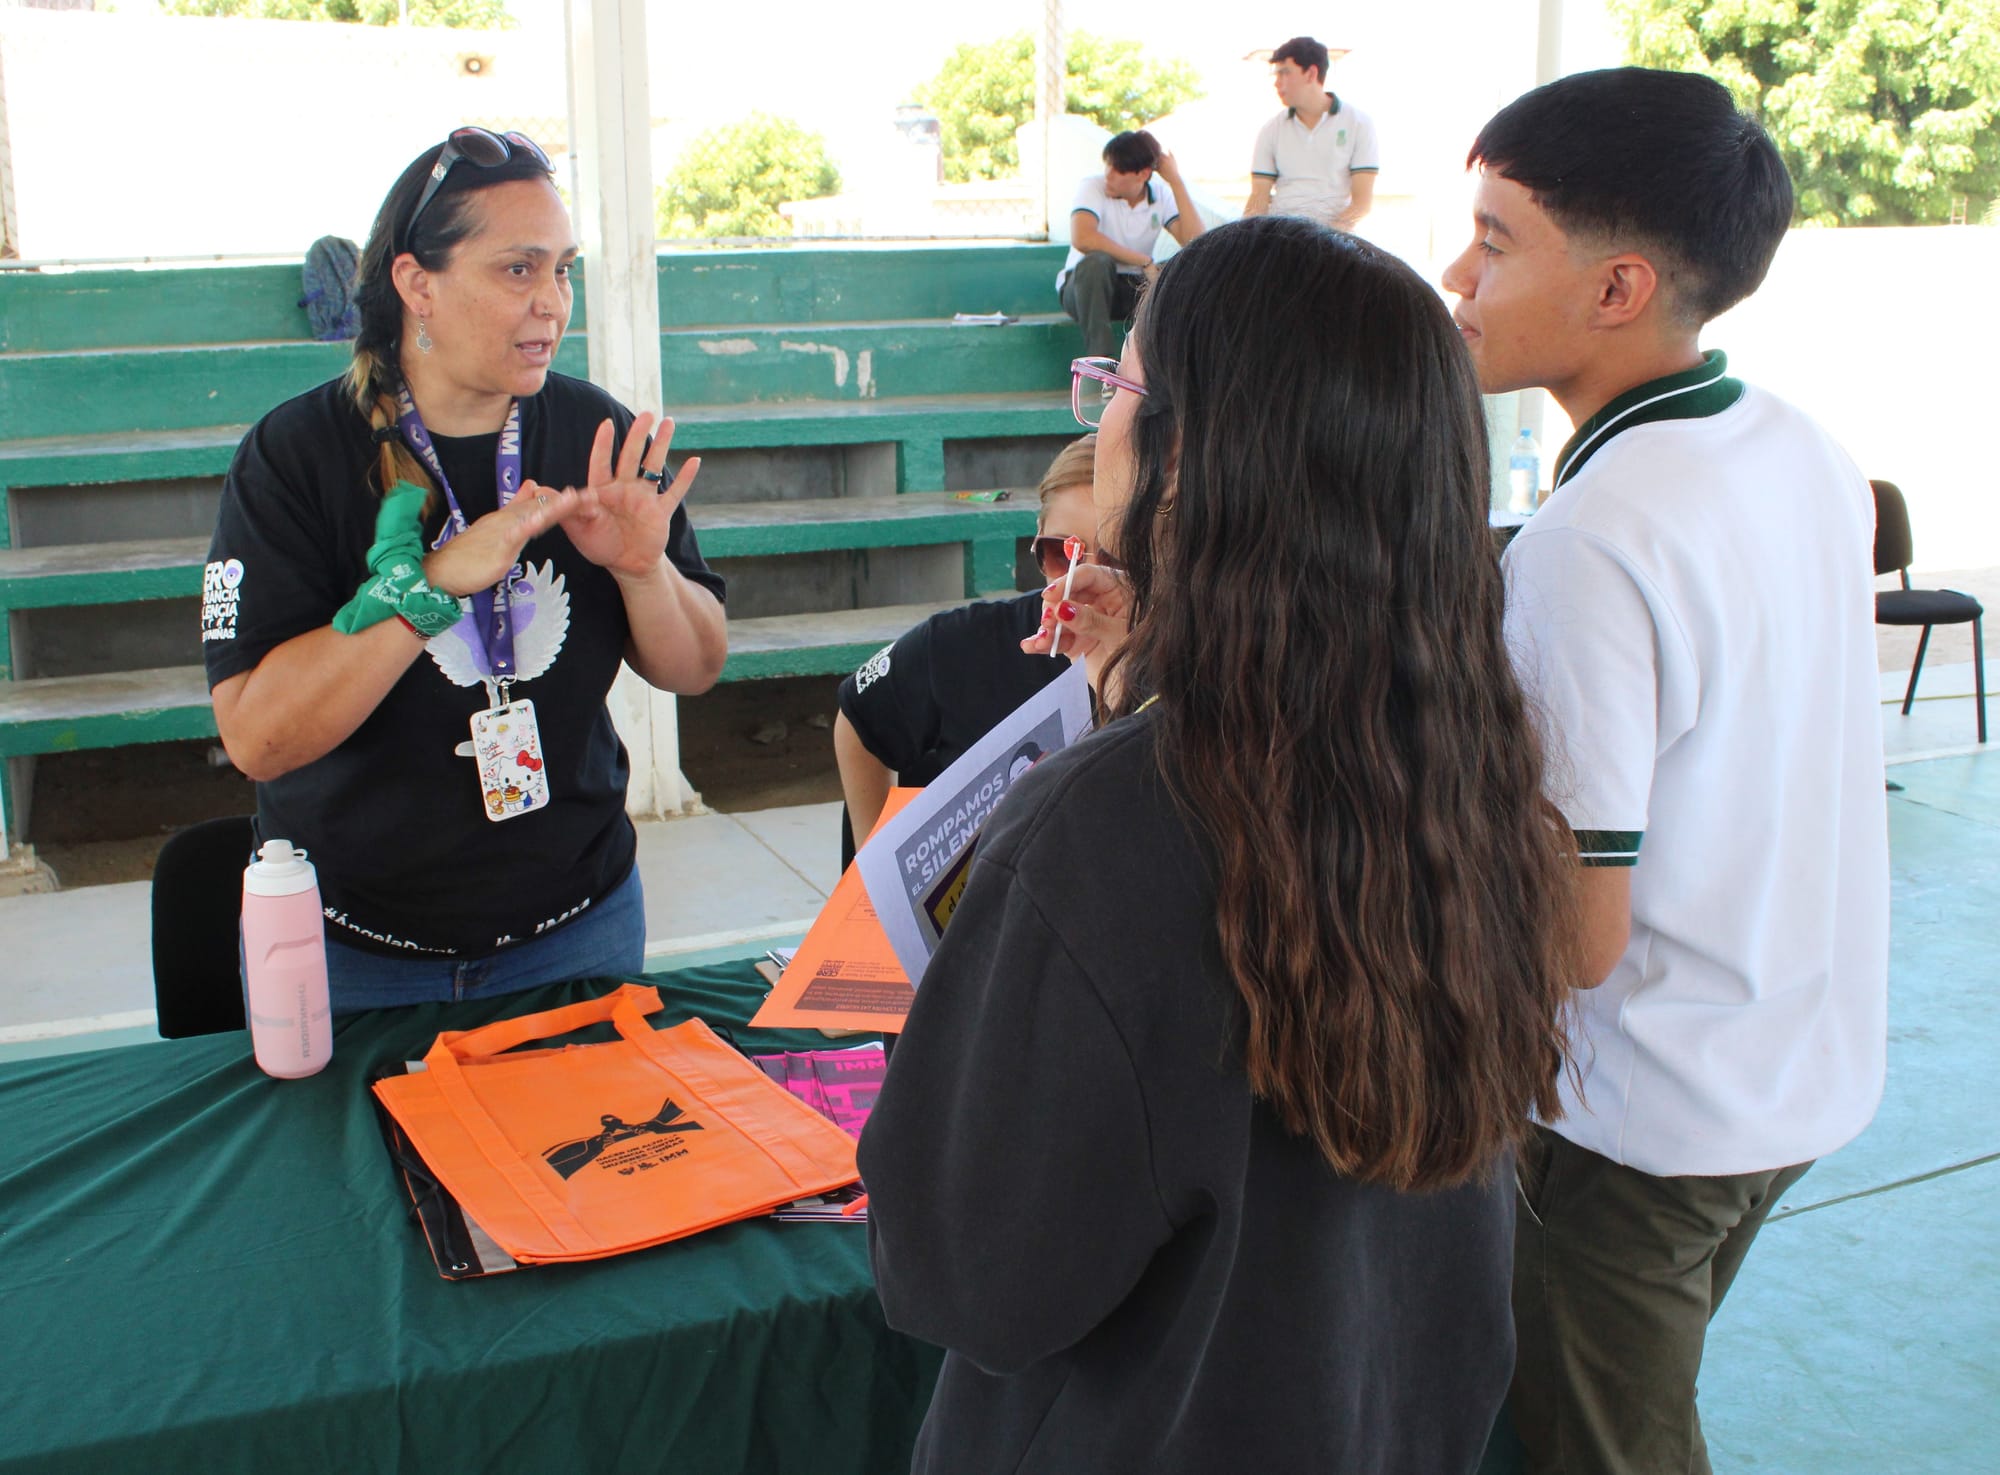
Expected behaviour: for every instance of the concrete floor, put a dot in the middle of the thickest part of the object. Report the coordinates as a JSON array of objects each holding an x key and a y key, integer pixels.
[{"x": 1860, "y": 1337}]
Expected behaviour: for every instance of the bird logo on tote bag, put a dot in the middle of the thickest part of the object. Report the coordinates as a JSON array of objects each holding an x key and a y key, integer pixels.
[{"x": 570, "y": 1158}]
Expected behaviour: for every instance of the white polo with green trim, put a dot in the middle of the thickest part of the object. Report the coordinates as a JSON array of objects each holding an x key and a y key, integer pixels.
[
  {"x": 1693, "y": 612},
  {"x": 1312, "y": 166},
  {"x": 1135, "y": 226}
]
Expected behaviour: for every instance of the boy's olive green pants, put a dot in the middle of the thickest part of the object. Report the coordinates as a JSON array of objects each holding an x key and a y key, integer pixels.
[{"x": 1616, "y": 1274}]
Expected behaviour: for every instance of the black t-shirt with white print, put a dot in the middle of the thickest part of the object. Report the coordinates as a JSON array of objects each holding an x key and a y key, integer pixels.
[
  {"x": 920, "y": 703},
  {"x": 408, "y": 863}
]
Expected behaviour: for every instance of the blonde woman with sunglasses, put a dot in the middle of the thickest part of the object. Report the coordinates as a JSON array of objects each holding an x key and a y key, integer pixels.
[{"x": 914, "y": 707}]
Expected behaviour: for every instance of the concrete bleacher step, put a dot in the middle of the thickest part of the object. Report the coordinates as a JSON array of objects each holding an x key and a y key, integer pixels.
[
  {"x": 127, "y": 307},
  {"x": 69, "y": 713},
  {"x": 118, "y": 456},
  {"x": 918, "y": 424},
  {"x": 859, "y": 361},
  {"x": 910, "y": 419},
  {"x": 165, "y": 568},
  {"x": 827, "y": 643},
  {"x": 60, "y": 714},
  {"x": 99, "y": 390},
  {"x": 119, "y": 572}
]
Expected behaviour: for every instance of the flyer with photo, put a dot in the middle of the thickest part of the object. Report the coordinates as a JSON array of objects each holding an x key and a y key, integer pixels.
[{"x": 915, "y": 864}]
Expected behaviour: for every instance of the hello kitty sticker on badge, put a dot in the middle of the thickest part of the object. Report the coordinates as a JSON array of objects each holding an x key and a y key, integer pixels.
[{"x": 508, "y": 747}]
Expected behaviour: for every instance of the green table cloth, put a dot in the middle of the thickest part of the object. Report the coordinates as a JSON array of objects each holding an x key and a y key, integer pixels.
[{"x": 205, "y": 1269}]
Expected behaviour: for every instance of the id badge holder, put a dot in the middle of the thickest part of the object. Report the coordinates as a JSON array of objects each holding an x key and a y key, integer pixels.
[{"x": 508, "y": 747}]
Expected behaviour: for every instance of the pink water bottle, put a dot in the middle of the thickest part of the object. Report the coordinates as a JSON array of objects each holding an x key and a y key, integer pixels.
[{"x": 284, "y": 957}]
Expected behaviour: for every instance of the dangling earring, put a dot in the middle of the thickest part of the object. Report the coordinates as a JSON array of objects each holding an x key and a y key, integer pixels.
[{"x": 424, "y": 344}]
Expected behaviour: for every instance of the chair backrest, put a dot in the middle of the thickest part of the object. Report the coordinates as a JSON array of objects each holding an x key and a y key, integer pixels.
[
  {"x": 197, "y": 907},
  {"x": 1893, "y": 551}
]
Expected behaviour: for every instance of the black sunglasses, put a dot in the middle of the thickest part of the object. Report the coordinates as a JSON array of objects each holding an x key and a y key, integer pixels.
[{"x": 474, "y": 146}]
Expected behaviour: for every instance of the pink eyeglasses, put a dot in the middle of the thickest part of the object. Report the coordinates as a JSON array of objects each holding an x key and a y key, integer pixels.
[{"x": 1089, "y": 408}]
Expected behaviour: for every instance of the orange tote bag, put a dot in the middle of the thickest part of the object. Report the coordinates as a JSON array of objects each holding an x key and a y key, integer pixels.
[{"x": 585, "y": 1151}]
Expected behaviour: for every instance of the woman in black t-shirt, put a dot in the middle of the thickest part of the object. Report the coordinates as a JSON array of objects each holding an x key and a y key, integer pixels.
[
  {"x": 423, "y": 579},
  {"x": 914, "y": 707}
]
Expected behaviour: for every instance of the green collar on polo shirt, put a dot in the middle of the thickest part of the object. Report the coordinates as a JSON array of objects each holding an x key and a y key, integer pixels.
[
  {"x": 1332, "y": 107},
  {"x": 1692, "y": 394}
]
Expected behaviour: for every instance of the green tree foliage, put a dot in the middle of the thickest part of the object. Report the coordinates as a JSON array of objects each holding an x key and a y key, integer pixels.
[
  {"x": 985, "y": 91},
  {"x": 1884, "y": 109},
  {"x": 732, "y": 179},
  {"x": 479, "y": 15}
]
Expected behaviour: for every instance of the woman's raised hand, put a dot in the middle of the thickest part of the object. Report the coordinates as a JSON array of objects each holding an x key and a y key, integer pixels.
[
  {"x": 481, "y": 555},
  {"x": 1093, "y": 618},
  {"x": 626, "y": 511}
]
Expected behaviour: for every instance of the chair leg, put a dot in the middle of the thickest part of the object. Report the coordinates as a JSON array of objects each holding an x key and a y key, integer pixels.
[
  {"x": 1923, "y": 643},
  {"x": 1979, "y": 676}
]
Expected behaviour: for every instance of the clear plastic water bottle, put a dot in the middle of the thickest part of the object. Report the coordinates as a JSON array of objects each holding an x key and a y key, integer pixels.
[
  {"x": 1524, "y": 473},
  {"x": 284, "y": 963}
]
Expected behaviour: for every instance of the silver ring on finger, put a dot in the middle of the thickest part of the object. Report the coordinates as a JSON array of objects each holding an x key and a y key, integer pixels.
[
  {"x": 655, "y": 477},
  {"x": 541, "y": 501}
]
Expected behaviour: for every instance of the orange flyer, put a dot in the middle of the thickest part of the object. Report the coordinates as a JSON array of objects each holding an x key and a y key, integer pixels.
[{"x": 845, "y": 974}]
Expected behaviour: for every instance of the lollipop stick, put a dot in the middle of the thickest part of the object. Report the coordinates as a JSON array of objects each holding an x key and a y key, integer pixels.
[{"x": 1073, "y": 550}]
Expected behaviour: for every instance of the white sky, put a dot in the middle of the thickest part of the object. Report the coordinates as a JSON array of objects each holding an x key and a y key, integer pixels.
[{"x": 842, "y": 68}]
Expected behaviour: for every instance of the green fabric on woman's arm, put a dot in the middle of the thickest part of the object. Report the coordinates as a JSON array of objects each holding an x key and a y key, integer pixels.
[{"x": 396, "y": 562}]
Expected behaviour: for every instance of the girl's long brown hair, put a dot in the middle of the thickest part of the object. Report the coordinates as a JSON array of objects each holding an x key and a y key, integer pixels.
[{"x": 1318, "y": 608}]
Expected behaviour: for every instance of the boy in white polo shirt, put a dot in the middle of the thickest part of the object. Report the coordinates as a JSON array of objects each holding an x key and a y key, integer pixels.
[
  {"x": 1692, "y": 608},
  {"x": 1113, "y": 225},
  {"x": 1318, "y": 158}
]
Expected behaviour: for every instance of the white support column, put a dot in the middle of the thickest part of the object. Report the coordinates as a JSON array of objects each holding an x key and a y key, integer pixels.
[
  {"x": 10, "y": 224},
  {"x": 1548, "y": 41},
  {"x": 1532, "y": 405},
  {"x": 611, "y": 142},
  {"x": 1051, "y": 76}
]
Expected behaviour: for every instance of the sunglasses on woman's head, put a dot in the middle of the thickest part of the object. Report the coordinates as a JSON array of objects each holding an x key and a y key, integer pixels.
[
  {"x": 1049, "y": 557},
  {"x": 471, "y": 146}
]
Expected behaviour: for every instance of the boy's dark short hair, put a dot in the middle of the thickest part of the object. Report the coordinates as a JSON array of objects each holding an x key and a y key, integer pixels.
[
  {"x": 1661, "y": 162},
  {"x": 1305, "y": 53},
  {"x": 1129, "y": 153}
]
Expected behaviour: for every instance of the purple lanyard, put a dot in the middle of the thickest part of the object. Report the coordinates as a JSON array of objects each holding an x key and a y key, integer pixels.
[{"x": 493, "y": 618}]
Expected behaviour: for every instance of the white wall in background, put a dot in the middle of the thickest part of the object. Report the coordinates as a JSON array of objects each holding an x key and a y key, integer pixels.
[{"x": 155, "y": 136}]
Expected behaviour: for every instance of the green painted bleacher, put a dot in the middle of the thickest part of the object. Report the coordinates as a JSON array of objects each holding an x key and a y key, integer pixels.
[
  {"x": 95, "y": 391},
  {"x": 167, "y": 307},
  {"x": 70, "y": 713},
  {"x": 151, "y": 375}
]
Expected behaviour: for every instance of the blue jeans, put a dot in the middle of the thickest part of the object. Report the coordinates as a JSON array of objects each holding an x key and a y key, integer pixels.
[{"x": 608, "y": 940}]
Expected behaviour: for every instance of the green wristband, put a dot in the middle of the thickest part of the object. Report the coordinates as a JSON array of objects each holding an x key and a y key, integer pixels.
[{"x": 397, "y": 585}]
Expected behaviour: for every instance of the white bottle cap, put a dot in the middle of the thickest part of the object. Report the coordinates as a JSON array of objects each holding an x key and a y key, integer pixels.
[{"x": 279, "y": 870}]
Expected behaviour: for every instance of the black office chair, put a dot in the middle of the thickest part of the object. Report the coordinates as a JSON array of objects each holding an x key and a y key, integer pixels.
[
  {"x": 1927, "y": 607},
  {"x": 197, "y": 906}
]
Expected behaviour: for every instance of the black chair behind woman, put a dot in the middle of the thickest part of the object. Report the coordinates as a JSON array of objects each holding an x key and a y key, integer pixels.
[{"x": 197, "y": 905}]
